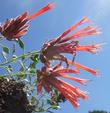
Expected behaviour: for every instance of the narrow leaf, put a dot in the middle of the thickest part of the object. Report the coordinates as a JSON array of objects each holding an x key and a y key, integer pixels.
[
  {"x": 21, "y": 44},
  {"x": 5, "y": 49},
  {"x": 4, "y": 55}
]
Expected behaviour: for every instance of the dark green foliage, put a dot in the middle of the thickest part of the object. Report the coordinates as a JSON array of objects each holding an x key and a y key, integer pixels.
[{"x": 97, "y": 111}]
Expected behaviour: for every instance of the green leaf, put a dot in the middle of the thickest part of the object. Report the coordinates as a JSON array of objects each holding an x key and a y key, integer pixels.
[
  {"x": 23, "y": 58},
  {"x": 42, "y": 104},
  {"x": 12, "y": 59},
  {"x": 55, "y": 107},
  {"x": 32, "y": 65},
  {"x": 22, "y": 67},
  {"x": 5, "y": 49},
  {"x": 21, "y": 44},
  {"x": 41, "y": 109},
  {"x": 32, "y": 70},
  {"x": 49, "y": 101},
  {"x": 13, "y": 48},
  {"x": 33, "y": 100},
  {"x": 9, "y": 69},
  {"x": 34, "y": 57},
  {"x": 4, "y": 55}
]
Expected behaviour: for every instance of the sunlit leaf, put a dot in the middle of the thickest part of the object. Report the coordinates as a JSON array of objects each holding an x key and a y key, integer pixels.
[
  {"x": 55, "y": 107},
  {"x": 5, "y": 49},
  {"x": 22, "y": 67},
  {"x": 4, "y": 55},
  {"x": 33, "y": 100},
  {"x": 9, "y": 69}
]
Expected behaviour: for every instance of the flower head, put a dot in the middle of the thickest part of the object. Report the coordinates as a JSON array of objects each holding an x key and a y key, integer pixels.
[
  {"x": 55, "y": 48},
  {"x": 49, "y": 77},
  {"x": 16, "y": 27}
]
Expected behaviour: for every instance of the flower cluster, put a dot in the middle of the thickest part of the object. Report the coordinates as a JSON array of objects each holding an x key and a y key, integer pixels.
[
  {"x": 48, "y": 78},
  {"x": 16, "y": 27},
  {"x": 55, "y": 49},
  {"x": 49, "y": 75}
]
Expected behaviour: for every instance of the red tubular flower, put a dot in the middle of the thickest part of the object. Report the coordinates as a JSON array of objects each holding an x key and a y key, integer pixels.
[
  {"x": 41, "y": 11},
  {"x": 17, "y": 27},
  {"x": 55, "y": 48},
  {"x": 92, "y": 71},
  {"x": 89, "y": 48},
  {"x": 48, "y": 78}
]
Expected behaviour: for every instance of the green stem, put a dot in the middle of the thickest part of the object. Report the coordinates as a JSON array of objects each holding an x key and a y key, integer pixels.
[
  {"x": 19, "y": 57},
  {"x": 20, "y": 73},
  {"x": 3, "y": 66}
]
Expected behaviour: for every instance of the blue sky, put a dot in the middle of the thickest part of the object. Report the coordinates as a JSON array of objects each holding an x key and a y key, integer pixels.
[{"x": 54, "y": 22}]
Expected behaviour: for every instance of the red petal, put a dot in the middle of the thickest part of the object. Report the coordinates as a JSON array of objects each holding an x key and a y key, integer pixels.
[
  {"x": 84, "y": 20},
  {"x": 56, "y": 67},
  {"x": 47, "y": 87},
  {"x": 71, "y": 96},
  {"x": 89, "y": 48},
  {"x": 72, "y": 89},
  {"x": 68, "y": 71},
  {"x": 20, "y": 24},
  {"x": 44, "y": 9},
  {"x": 81, "y": 81},
  {"x": 39, "y": 87},
  {"x": 23, "y": 16},
  {"x": 94, "y": 72},
  {"x": 89, "y": 30}
]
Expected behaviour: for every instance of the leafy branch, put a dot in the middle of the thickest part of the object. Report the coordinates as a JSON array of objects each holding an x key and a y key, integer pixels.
[{"x": 15, "y": 58}]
